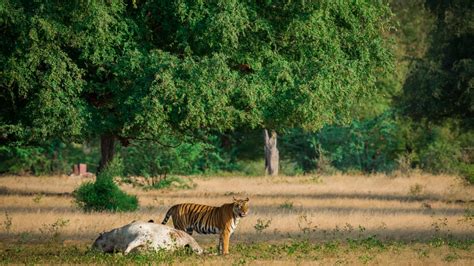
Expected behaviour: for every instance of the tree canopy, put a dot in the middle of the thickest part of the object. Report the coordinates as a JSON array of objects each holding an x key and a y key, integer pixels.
[
  {"x": 441, "y": 82},
  {"x": 147, "y": 69}
]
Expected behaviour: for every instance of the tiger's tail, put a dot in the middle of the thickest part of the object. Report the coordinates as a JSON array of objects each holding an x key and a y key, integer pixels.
[{"x": 168, "y": 214}]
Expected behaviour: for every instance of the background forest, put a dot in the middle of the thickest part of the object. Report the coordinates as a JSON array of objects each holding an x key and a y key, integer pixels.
[{"x": 418, "y": 115}]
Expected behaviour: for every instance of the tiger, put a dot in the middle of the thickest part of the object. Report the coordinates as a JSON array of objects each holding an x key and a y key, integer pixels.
[{"x": 205, "y": 219}]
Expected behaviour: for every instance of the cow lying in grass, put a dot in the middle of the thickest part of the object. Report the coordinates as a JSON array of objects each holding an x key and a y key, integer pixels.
[{"x": 149, "y": 236}]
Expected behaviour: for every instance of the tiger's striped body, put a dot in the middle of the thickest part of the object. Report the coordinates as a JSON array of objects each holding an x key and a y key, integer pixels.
[{"x": 205, "y": 219}]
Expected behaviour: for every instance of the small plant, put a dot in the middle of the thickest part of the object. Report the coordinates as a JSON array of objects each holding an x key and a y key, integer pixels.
[
  {"x": 451, "y": 257},
  {"x": 7, "y": 224},
  {"x": 437, "y": 242},
  {"x": 440, "y": 224},
  {"x": 287, "y": 205},
  {"x": 241, "y": 261},
  {"x": 301, "y": 246},
  {"x": 416, "y": 190},
  {"x": 423, "y": 253},
  {"x": 317, "y": 179},
  {"x": 305, "y": 224},
  {"x": 331, "y": 246},
  {"x": 261, "y": 225},
  {"x": 348, "y": 228},
  {"x": 372, "y": 242},
  {"x": 38, "y": 198},
  {"x": 361, "y": 230},
  {"x": 368, "y": 243},
  {"x": 53, "y": 230},
  {"x": 366, "y": 258},
  {"x": 24, "y": 237}
]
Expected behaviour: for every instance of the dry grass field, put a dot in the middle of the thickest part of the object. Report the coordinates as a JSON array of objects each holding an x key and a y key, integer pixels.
[{"x": 421, "y": 219}]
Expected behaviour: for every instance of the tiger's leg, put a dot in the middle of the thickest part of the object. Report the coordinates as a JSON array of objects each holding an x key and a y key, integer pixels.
[
  {"x": 220, "y": 245},
  {"x": 225, "y": 242}
]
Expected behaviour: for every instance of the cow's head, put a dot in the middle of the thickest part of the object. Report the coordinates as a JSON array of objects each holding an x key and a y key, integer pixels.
[{"x": 104, "y": 244}]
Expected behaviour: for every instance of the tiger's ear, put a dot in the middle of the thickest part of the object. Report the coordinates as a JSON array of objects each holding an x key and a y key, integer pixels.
[
  {"x": 247, "y": 199},
  {"x": 235, "y": 200}
]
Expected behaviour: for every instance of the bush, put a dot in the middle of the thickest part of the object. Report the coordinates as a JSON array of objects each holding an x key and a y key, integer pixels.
[
  {"x": 467, "y": 171},
  {"x": 443, "y": 152},
  {"x": 104, "y": 194}
]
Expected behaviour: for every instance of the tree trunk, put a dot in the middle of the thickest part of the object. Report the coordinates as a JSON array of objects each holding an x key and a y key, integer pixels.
[
  {"x": 107, "y": 151},
  {"x": 272, "y": 156}
]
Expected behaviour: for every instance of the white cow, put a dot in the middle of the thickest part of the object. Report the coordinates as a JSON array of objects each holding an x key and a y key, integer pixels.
[{"x": 144, "y": 235}]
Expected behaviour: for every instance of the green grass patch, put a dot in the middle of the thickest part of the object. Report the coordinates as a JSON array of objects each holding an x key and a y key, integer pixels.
[{"x": 367, "y": 250}]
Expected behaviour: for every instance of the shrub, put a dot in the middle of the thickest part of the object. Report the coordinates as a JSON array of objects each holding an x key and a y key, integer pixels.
[
  {"x": 467, "y": 171},
  {"x": 442, "y": 154},
  {"x": 104, "y": 194},
  {"x": 261, "y": 225}
]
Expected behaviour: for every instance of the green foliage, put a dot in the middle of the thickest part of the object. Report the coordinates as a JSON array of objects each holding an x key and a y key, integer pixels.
[
  {"x": 82, "y": 69},
  {"x": 251, "y": 168},
  {"x": 439, "y": 85},
  {"x": 172, "y": 182},
  {"x": 287, "y": 205},
  {"x": 150, "y": 159},
  {"x": 441, "y": 155},
  {"x": 114, "y": 169},
  {"x": 104, "y": 194},
  {"x": 383, "y": 143},
  {"x": 367, "y": 145},
  {"x": 442, "y": 148},
  {"x": 467, "y": 171},
  {"x": 194, "y": 73},
  {"x": 22, "y": 160},
  {"x": 55, "y": 157}
]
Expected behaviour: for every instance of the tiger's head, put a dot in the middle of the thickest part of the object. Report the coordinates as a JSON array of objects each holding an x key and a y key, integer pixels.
[{"x": 241, "y": 207}]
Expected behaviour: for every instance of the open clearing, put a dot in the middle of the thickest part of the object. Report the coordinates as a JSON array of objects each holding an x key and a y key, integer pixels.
[{"x": 422, "y": 219}]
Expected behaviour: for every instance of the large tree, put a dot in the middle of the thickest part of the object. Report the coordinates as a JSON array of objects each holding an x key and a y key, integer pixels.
[
  {"x": 123, "y": 70},
  {"x": 300, "y": 64}
]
